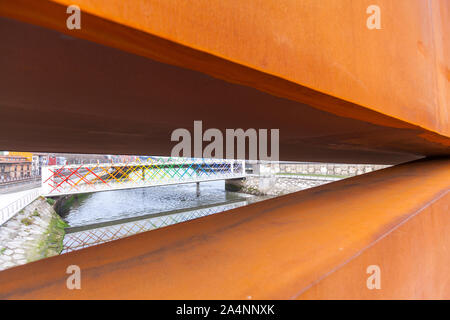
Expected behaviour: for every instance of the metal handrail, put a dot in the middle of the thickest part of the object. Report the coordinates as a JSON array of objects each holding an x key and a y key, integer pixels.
[
  {"x": 82, "y": 237},
  {"x": 11, "y": 209}
]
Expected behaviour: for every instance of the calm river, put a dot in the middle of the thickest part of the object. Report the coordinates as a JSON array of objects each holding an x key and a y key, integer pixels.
[{"x": 113, "y": 205}]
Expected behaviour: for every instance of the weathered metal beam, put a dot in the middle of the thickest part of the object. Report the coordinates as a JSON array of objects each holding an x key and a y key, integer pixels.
[
  {"x": 336, "y": 90},
  {"x": 316, "y": 243}
]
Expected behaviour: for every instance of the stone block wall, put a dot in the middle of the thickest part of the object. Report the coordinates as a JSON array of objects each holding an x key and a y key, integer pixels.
[
  {"x": 326, "y": 169},
  {"x": 274, "y": 179},
  {"x": 274, "y": 185}
]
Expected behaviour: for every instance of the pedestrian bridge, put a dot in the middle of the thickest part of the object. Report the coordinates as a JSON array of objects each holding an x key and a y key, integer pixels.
[{"x": 83, "y": 178}]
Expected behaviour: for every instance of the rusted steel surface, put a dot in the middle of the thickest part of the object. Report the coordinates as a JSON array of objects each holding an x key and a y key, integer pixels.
[
  {"x": 336, "y": 90},
  {"x": 316, "y": 243},
  {"x": 413, "y": 262}
]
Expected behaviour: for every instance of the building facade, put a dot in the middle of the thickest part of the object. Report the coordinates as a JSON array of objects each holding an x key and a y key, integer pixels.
[{"x": 14, "y": 168}]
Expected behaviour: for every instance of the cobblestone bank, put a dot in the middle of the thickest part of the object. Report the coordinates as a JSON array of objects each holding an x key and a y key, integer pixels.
[{"x": 34, "y": 233}]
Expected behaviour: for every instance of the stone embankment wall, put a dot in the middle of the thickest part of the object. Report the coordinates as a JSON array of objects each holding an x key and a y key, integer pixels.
[
  {"x": 63, "y": 204},
  {"x": 274, "y": 179},
  {"x": 327, "y": 169},
  {"x": 274, "y": 185},
  {"x": 34, "y": 233}
]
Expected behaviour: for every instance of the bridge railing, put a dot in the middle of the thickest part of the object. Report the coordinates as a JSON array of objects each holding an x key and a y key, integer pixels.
[
  {"x": 82, "y": 237},
  {"x": 71, "y": 179}
]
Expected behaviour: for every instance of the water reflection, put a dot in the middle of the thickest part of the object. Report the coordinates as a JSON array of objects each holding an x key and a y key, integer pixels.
[{"x": 113, "y": 205}]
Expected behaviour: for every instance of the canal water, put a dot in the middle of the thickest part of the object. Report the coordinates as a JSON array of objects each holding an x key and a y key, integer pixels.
[{"x": 113, "y": 205}]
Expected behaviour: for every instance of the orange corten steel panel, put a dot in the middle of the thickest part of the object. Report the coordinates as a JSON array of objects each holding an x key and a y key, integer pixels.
[
  {"x": 318, "y": 53},
  {"x": 315, "y": 243},
  {"x": 323, "y": 45}
]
